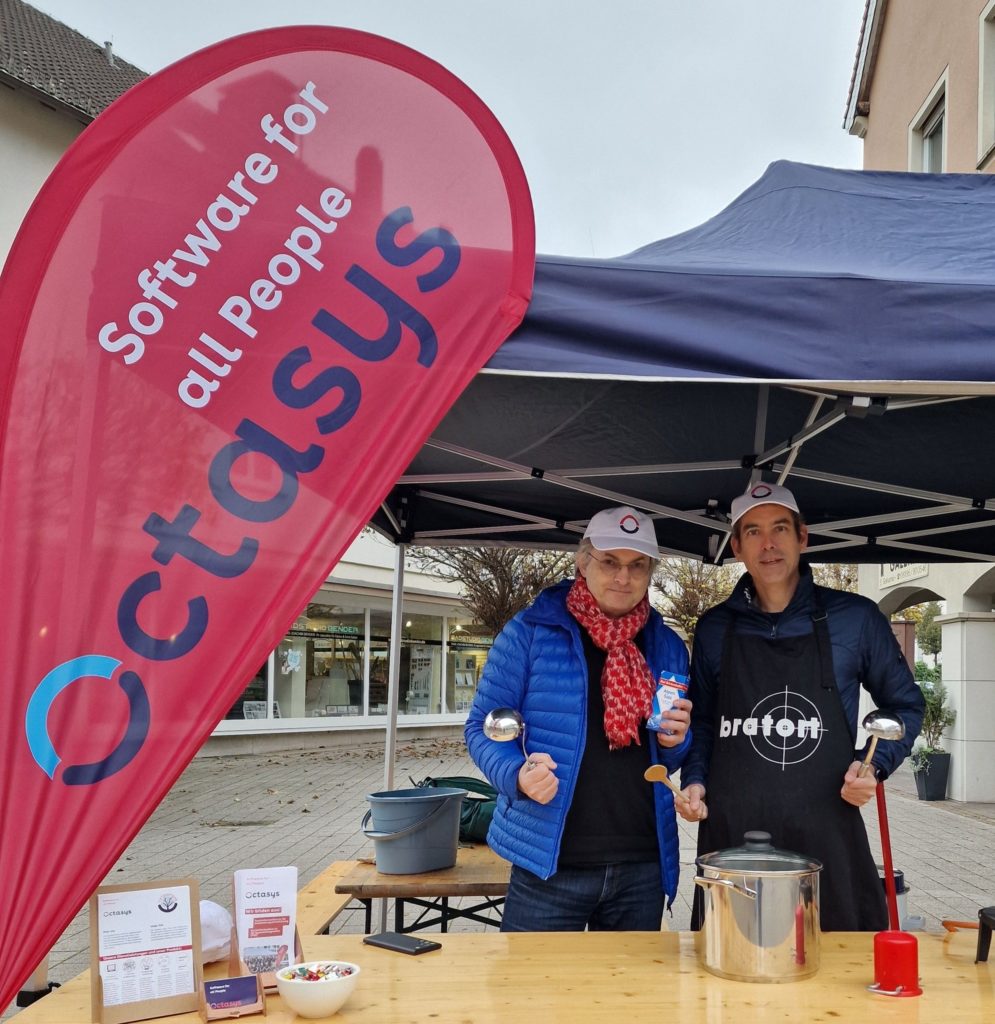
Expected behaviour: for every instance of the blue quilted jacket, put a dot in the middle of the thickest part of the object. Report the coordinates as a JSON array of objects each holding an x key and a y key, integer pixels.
[{"x": 537, "y": 666}]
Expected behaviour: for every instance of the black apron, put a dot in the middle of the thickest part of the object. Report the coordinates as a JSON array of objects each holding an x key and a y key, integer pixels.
[{"x": 781, "y": 749}]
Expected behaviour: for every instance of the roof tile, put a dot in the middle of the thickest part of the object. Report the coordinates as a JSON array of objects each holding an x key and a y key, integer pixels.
[{"x": 41, "y": 53}]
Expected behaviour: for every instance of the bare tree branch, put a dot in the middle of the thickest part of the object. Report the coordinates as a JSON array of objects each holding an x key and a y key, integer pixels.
[
  {"x": 690, "y": 588},
  {"x": 497, "y": 583},
  {"x": 838, "y": 576}
]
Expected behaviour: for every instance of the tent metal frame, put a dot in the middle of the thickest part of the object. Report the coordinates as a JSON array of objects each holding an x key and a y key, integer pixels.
[{"x": 780, "y": 458}]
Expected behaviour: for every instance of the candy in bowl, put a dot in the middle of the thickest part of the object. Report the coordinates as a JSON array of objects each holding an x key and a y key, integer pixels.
[{"x": 318, "y": 988}]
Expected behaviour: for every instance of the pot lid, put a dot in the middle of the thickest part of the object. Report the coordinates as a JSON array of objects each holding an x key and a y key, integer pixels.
[{"x": 758, "y": 854}]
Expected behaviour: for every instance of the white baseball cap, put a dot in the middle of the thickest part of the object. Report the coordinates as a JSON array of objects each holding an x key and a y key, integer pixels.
[
  {"x": 625, "y": 528},
  {"x": 763, "y": 494}
]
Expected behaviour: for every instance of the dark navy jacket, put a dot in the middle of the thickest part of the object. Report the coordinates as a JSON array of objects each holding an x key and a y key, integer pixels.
[
  {"x": 865, "y": 653},
  {"x": 537, "y": 666}
]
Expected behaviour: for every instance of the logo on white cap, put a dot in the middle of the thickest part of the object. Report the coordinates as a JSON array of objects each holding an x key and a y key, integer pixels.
[
  {"x": 622, "y": 527},
  {"x": 629, "y": 524},
  {"x": 762, "y": 494}
]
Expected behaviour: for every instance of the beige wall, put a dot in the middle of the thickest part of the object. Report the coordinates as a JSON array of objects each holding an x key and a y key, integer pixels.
[
  {"x": 32, "y": 139},
  {"x": 920, "y": 40}
]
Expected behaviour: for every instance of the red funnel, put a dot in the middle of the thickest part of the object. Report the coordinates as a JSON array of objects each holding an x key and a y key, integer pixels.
[{"x": 896, "y": 964}]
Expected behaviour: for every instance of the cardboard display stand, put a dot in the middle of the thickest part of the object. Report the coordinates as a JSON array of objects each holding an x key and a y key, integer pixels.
[{"x": 145, "y": 950}]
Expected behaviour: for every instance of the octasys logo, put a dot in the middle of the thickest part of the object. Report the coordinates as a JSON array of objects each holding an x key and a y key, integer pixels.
[
  {"x": 88, "y": 666},
  {"x": 629, "y": 524},
  {"x": 783, "y": 728}
]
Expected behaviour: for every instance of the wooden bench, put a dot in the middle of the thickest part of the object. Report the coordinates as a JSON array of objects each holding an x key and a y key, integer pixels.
[{"x": 318, "y": 904}]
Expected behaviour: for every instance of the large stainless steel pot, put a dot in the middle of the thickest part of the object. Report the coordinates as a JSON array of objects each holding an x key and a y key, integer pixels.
[{"x": 761, "y": 920}]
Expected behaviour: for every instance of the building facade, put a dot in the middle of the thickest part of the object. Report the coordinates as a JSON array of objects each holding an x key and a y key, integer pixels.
[
  {"x": 968, "y": 630},
  {"x": 922, "y": 95},
  {"x": 922, "y": 98}
]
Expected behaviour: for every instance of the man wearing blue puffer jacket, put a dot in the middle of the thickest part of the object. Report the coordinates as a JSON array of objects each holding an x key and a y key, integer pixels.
[
  {"x": 592, "y": 844},
  {"x": 776, "y": 678}
]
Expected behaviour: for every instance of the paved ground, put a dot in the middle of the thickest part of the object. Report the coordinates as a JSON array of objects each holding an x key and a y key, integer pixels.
[{"x": 305, "y": 808}]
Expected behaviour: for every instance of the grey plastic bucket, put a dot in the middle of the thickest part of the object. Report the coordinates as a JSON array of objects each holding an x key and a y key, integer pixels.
[{"x": 414, "y": 830}]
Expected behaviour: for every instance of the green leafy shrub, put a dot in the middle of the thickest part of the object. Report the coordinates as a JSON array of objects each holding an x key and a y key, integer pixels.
[{"x": 937, "y": 717}]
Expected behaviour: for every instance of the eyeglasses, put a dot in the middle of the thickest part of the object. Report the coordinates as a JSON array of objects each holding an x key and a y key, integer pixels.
[{"x": 611, "y": 566}]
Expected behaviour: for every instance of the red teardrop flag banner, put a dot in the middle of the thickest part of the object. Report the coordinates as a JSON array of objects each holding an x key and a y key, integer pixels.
[{"x": 235, "y": 311}]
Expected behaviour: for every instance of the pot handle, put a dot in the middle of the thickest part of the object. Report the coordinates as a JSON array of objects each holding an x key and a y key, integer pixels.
[{"x": 750, "y": 894}]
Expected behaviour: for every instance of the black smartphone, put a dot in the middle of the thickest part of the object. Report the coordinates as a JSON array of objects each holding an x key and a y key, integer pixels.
[{"x": 402, "y": 943}]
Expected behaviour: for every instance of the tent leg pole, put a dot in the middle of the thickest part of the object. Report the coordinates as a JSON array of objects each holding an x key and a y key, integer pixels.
[{"x": 393, "y": 683}]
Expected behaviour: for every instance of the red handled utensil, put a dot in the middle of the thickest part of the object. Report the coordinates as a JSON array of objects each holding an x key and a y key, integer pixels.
[{"x": 896, "y": 953}]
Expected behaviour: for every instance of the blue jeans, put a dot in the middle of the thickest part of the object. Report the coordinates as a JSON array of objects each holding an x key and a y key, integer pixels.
[{"x": 606, "y": 898}]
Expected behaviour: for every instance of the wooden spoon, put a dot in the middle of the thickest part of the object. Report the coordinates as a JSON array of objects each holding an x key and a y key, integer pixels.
[{"x": 658, "y": 773}]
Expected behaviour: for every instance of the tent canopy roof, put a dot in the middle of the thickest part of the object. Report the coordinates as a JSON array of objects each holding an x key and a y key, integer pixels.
[{"x": 830, "y": 329}]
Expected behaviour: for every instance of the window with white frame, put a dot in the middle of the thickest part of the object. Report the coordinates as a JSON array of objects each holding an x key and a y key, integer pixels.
[
  {"x": 986, "y": 82},
  {"x": 927, "y": 138},
  {"x": 932, "y": 141}
]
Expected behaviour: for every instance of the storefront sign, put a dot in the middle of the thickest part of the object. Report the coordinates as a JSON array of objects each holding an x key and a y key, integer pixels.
[
  {"x": 893, "y": 573},
  {"x": 344, "y": 632},
  {"x": 232, "y": 316}
]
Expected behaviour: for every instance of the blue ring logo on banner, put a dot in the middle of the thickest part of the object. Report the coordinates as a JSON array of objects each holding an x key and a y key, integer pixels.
[{"x": 88, "y": 666}]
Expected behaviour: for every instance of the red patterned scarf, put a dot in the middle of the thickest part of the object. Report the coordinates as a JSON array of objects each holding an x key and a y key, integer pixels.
[{"x": 627, "y": 684}]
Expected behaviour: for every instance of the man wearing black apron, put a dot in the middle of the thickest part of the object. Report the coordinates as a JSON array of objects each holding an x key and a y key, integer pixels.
[{"x": 775, "y": 682}]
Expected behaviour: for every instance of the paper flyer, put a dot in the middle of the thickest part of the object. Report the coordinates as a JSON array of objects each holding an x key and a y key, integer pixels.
[
  {"x": 145, "y": 944},
  {"x": 266, "y": 917}
]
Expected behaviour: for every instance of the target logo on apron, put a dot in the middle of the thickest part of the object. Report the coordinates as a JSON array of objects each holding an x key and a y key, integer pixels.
[{"x": 784, "y": 728}]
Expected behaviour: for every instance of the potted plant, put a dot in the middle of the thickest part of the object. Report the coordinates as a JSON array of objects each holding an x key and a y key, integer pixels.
[{"x": 930, "y": 762}]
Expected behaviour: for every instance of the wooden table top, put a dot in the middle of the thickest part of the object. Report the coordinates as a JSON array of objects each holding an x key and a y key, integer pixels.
[
  {"x": 586, "y": 978},
  {"x": 478, "y": 872}
]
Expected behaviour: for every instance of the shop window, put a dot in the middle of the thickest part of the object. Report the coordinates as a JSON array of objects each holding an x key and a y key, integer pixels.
[
  {"x": 251, "y": 702},
  {"x": 421, "y": 681},
  {"x": 319, "y": 664},
  {"x": 319, "y": 668},
  {"x": 467, "y": 651},
  {"x": 379, "y": 660},
  {"x": 421, "y": 665}
]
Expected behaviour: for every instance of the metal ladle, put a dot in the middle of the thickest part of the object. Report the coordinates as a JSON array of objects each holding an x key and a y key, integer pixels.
[
  {"x": 503, "y": 724},
  {"x": 892, "y": 944},
  {"x": 879, "y": 725}
]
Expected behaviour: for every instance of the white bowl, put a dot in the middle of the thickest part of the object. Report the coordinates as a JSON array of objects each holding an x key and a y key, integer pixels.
[{"x": 319, "y": 998}]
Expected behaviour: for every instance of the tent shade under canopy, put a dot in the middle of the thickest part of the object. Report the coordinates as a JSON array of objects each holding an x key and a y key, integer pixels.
[{"x": 830, "y": 329}]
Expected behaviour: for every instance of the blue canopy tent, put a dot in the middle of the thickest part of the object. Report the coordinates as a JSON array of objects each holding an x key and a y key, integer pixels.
[{"x": 830, "y": 329}]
